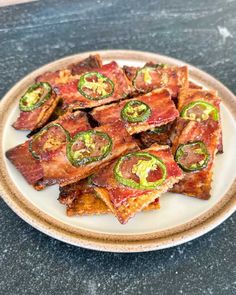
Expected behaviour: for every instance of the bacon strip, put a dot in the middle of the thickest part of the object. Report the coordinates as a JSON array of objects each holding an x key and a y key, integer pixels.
[
  {"x": 64, "y": 75},
  {"x": 71, "y": 97},
  {"x": 125, "y": 202},
  {"x": 162, "y": 108},
  {"x": 197, "y": 184},
  {"x": 36, "y": 118},
  {"x": 80, "y": 199},
  {"x": 28, "y": 166},
  {"x": 187, "y": 96},
  {"x": 86, "y": 65},
  {"x": 32, "y": 169},
  {"x": 172, "y": 78},
  {"x": 65, "y": 83},
  {"x": 59, "y": 169}
]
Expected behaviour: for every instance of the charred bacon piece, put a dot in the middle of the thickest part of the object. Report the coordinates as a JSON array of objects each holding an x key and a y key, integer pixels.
[
  {"x": 135, "y": 180},
  {"x": 28, "y": 157},
  {"x": 36, "y": 107},
  {"x": 140, "y": 114},
  {"x": 154, "y": 76},
  {"x": 81, "y": 199}
]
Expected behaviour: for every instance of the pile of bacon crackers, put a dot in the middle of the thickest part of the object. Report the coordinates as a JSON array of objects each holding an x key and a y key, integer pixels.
[{"x": 115, "y": 138}]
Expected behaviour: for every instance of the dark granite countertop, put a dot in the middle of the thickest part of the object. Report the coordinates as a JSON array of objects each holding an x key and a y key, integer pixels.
[{"x": 201, "y": 33}]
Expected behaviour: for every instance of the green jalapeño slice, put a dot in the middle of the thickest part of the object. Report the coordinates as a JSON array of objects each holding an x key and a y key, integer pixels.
[
  {"x": 35, "y": 96},
  {"x": 95, "y": 86},
  {"x": 159, "y": 130},
  {"x": 199, "y": 110},
  {"x": 140, "y": 170},
  {"x": 192, "y": 156},
  {"x": 135, "y": 111},
  {"x": 88, "y": 146},
  {"x": 49, "y": 139}
]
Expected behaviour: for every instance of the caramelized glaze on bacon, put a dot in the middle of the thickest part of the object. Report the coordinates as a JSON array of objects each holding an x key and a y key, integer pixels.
[
  {"x": 31, "y": 168},
  {"x": 57, "y": 167},
  {"x": 197, "y": 184},
  {"x": 36, "y": 118},
  {"x": 119, "y": 193},
  {"x": 123, "y": 201},
  {"x": 187, "y": 96},
  {"x": 74, "y": 122},
  {"x": 72, "y": 98},
  {"x": 80, "y": 199},
  {"x": 27, "y": 165},
  {"x": 162, "y": 108},
  {"x": 172, "y": 78},
  {"x": 88, "y": 64}
]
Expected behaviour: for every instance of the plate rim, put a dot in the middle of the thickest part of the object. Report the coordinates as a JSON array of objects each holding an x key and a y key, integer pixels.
[{"x": 102, "y": 241}]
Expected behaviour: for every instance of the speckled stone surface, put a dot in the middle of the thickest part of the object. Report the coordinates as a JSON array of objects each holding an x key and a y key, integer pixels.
[{"x": 199, "y": 32}]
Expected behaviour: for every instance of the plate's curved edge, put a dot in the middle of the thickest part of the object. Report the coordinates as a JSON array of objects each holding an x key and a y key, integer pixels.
[
  {"x": 123, "y": 247},
  {"x": 153, "y": 243}
]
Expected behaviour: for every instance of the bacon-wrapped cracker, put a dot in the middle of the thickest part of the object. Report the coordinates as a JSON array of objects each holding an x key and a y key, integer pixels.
[
  {"x": 195, "y": 147},
  {"x": 36, "y": 107},
  {"x": 61, "y": 76},
  {"x": 153, "y": 76},
  {"x": 81, "y": 199},
  {"x": 86, "y": 152},
  {"x": 28, "y": 156},
  {"x": 64, "y": 75},
  {"x": 92, "y": 88},
  {"x": 140, "y": 114},
  {"x": 200, "y": 105},
  {"x": 136, "y": 179}
]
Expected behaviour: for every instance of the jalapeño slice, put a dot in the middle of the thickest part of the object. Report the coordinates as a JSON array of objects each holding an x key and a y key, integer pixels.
[
  {"x": 135, "y": 111},
  {"x": 158, "y": 130},
  {"x": 35, "y": 96},
  {"x": 199, "y": 110},
  {"x": 95, "y": 86},
  {"x": 192, "y": 156},
  {"x": 48, "y": 140},
  {"x": 140, "y": 170},
  {"x": 87, "y": 147}
]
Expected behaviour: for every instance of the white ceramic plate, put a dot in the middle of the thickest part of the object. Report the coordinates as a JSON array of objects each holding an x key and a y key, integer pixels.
[{"x": 180, "y": 218}]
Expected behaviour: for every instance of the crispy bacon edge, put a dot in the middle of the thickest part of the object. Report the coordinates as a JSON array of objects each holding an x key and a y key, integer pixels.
[
  {"x": 85, "y": 65},
  {"x": 67, "y": 89},
  {"x": 197, "y": 184},
  {"x": 37, "y": 118},
  {"x": 178, "y": 73},
  {"x": 80, "y": 199},
  {"x": 129, "y": 207},
  {"x": 32, "y": 169},
  {"x": 59, "y": 169},
  {"x": 163, "y": 111},
  {"x": 188, "y": 95}
]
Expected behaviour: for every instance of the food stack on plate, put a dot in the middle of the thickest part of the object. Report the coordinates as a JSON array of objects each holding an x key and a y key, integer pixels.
[{"x": 115, "y": 139}]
